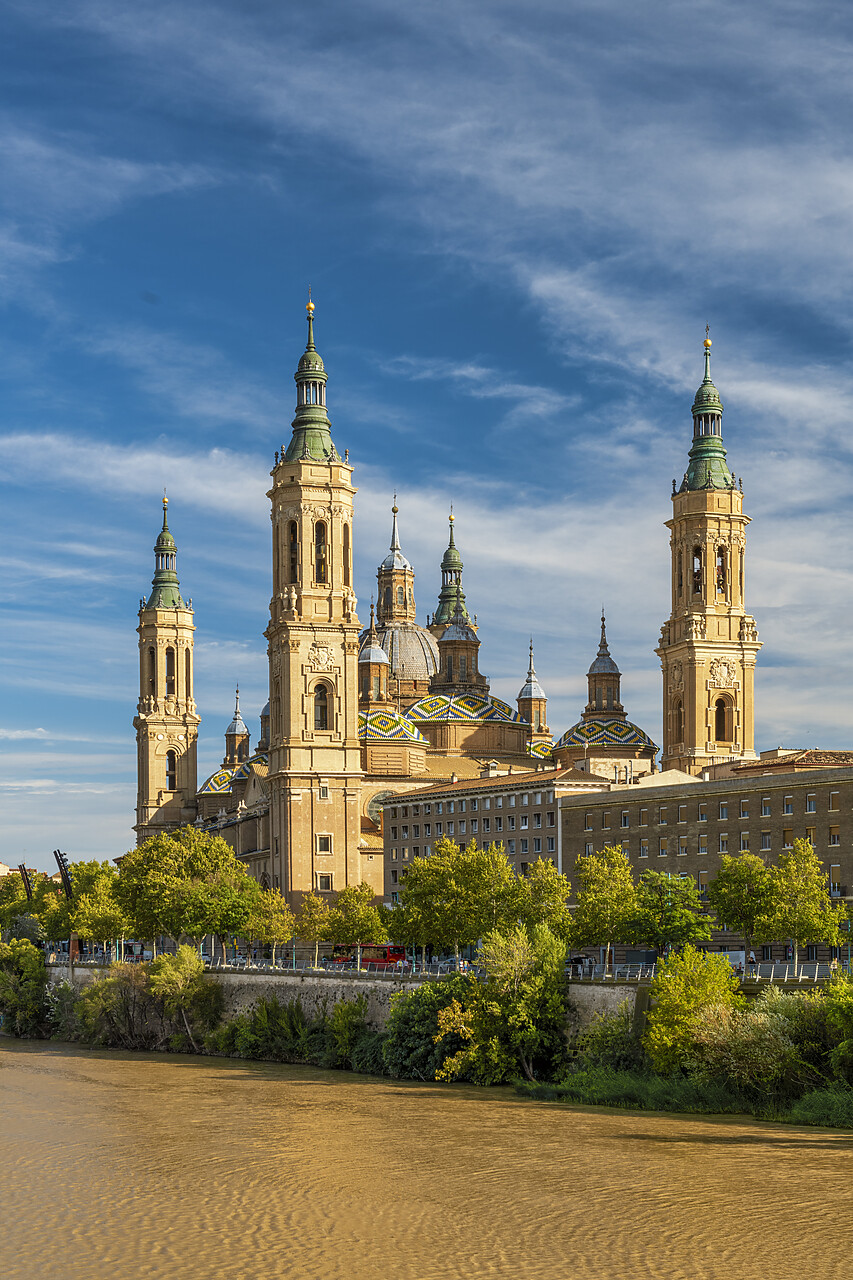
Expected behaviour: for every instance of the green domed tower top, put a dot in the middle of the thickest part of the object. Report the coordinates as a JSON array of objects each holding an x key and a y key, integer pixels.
[
  {"x": 451, "y": 596},
  {"x": 707, "y": 467},
  {"x": 166, "y": 593},
  {"x": 312, "y": 430}
]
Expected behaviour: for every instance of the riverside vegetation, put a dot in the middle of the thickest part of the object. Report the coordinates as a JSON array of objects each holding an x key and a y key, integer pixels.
[{"x": 704, "y": 1048}]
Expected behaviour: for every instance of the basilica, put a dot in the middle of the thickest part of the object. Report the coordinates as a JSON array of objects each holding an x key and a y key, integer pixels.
[{"x": 357, "y": 715}]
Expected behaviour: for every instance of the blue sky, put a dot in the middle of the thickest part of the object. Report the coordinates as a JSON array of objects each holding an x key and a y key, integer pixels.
[{"x": 516, "y": 221}]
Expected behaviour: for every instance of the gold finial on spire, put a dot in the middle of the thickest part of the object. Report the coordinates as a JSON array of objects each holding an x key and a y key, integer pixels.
[
  {"x": 707, "y": 342},
  {"x": 165, "y": 500},
  {"x": 309, "y": 305},
  {"x": 452, "y": 517},
  {"x": 395, "y": 508}
]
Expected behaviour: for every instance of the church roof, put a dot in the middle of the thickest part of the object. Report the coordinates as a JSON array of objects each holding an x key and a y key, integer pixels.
[
  {"x": 395, "y": 558},
  {"x": 387, "y": 726},
  {"x": 604, "y": 731},
  {"x": 531, "y": 689},
  {"x": 224, "y": 779},
  {"x": 602, "y": 663},
  {"x": 540, "y": 750},
  {"x": 462, "y": 706}
]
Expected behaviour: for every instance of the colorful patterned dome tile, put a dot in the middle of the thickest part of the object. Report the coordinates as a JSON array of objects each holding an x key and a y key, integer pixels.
[
  {"x": 462, "y": 706},
  {"x": 224, "y": 779},
  {"x": 604, "y": 733},
  {"x": 387, "y": 726},
  {"x": 542, "y": 750}
]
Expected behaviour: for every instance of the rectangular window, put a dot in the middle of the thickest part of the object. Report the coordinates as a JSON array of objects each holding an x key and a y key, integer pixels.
[
  {"x": 427, "y": 850},
  {"x": 524, "y": 822},
  {"x": 499, "y": 824},
  {"x": 510, "y": 822},
  {"x": 427, "y": 829},
  {"x": 461, "y": 806},
  {"x": 744, "y": 842},
  {"x": 324, "y": 883},
  {"x": 510, "y": 846},
  {"x": 644, "y": 817},
  {"x": 682, "y": 845},
  {"x": 475, "y": 825},
  {"x": 552, "y": 844},
  {"x": 438, "y": 828},
  {"x": 439, "y": 807},
  {"x": 450, "y": 806},
  {"x": 811, "y": 804},
  {"x": 393, "y": 833},
  {"x": 449, "y": 828},
  {"x": 625, "y": 847},
  {"x": 788, "y": 804},
  {"x": 462, "y": 825},
  {"x": 395, "y": 897},
  {"x": 394, "y": 877},
  {"x": 787, "y": 838},
  {"x": 703, "y": 843},
  {"x": 744, "y": 808},
  {"x": 416, "y": 851},
  {"x": 427, "y": 808},
  {"x": 552, "y": 819},
  {"x": 537, "y": 799},
  {"x": 587, "y": 822},
  {"x": 767, "y": 953},
  {"x": 416, "y": 830},
  {"x": 644, "y": 848},
  {"x": 662, "y": 847},
  {"x": 416, "y": 808},
  {"x": 404, "y": 855},
  {"x": 499, "y": 802},
  {"x": 624, "y": 820},
  {"x": 835, "y": 880},
  {"x": 487, "y": 823},
  {"x": 473, "y": 806},
  {"x": 405, "y": 812},
  {"x": 835, "y": 835},
  {"x": 537, "y": 819},
  {"x": 392, "y": 813},
  {"x": 662, "y": 815},
  {"x": 703, "y": 813},
  {"x": 524, "y": 867},
  {"x": 393, "y": 855},
  {"x": 524, "y": 846},
  {"x": 811, "y": 835},
  {"x": 525, "y": 800},
  {"x": 724, "y": 843},
  {"x": 765, "y": 806},
  {"x": 405, "y": 834},
  {"x": 704, "y": 877},
  {"x": 682, "y": 813},
  {"x": 487, "y": 804},
  {"x": 324, "y": 793},
  {"x": 811, "y": 951},
  {"x": 588, "y": 850},
  {"x": 324, "y": 844},
  {"x": 605, "y": 820},
  {"x": 724, "y": 809},
  {"x": 537, "y": 844},
  {"x": 833, "y": 799},
  {"x": 511, "y": 801}
]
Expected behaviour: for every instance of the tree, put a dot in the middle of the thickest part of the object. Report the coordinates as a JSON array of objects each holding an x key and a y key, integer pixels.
[
  {"x": 152, "y": 878},
  {"x": 669, "y": 912},
  {"x": 178, "y": 980},
  {"x": 96, "y": 916},
  {"x": 270, "y": 919},
  {"x": 354, "y": 918},
  {"x": 492, "y": 892},
  {"x": 406, "y": 925},
  {"x": 802, "y": 907},
  {"x": 23, "y": 988},
  {"x": 741, "y": 897},
  {"x": 434, "y": 892},
  {"x": 313, "y": 924},
  {"x": 515, "y": 1018},
  {"x": 13, "y": 899},
  {"x": 543, "y": 896},
  {"x": 686, "y": 985},
  {"x": 606, "y": 899}
]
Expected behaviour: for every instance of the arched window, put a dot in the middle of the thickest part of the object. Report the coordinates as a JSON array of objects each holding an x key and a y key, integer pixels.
[
  {"x": 188, "y": 674},
  {"x": 377, "y": 687},
  {"x": 411, "y": 598},
  {"x": 463, "y": 667},
  {"x": 697, "y": 571},
  {"x": 722, "y": 572},
  {"x": 678, "y": 720},
  {"x": 401, "y": 598},
  {"x": 321, "y": 707},
  {"x": 170, "y": 673},
  {"x": 721, "y": 718},
  {"x": 320, "y": 552},
  {"x": 609, "y": 697},
  {"x": 152, "y": 672},
  {"x": 387, "y": 598},
  {"x": 293, "y": 552},
  {"x": 450, "y": 666},
  {"x": 680, "y": 573},
  {"x": 346, "y": 556},
  {"x": 171, "y": 770}
]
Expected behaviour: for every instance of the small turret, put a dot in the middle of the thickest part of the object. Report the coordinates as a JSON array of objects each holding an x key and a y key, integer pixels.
[
  {"x": 458, "y": 658},
  {"x": 373, "y": 668},
  {"x": 395, "y": 582},
  {"x": 451, "y": 596},
  {"x": 532, "y": 703},
  {"x": 236, "y": 738},
  {"x": 604, "y": 680}
]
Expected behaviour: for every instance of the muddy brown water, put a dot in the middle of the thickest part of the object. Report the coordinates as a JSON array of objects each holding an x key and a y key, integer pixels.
[{"x": 146, "y": 1166}]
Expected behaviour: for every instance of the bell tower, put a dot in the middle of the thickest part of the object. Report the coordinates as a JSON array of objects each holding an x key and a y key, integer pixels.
[
  {"x": 709, "y": 645},
  {"x": 166, "y": 721},
  {"x": 396, "y": 582},
  {"x": 313, "y": 635}
]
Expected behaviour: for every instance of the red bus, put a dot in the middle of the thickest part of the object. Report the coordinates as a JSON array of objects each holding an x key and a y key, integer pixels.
[{"x": 383, "y": 955}]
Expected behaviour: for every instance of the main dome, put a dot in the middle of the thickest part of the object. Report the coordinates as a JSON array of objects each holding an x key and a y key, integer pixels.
[
  {"x": 604, "y": 732},
  {"x": 412, "y": 651}
]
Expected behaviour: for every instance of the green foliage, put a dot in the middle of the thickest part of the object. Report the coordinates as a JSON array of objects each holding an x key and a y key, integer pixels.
[
  {"x": 179, "y": 982},
  {"x": 686, "y": 985},
  {"x": 120, "y": 1011},
  {"x": 348, "y": 1025},
  {"x": 831, "y": 1108},
  {"x": 610, "y": 1041},
  {"x": 270, "y": 919},
  {"x": 23, "y": 988},
  {"x": 603, "y": 1087},
  {"x": 63, "y": 1019},
  {"x": 272, "y": 1030},
  {"x": 543, "y": 896},
  {"x": 28, "y": 927},
  {"x": 13, "y": 899},
  {"x": 411, "y": 1050},
  {"x": 669, "y": 912},
  {"x": 607, "y": 906},
  {"x": 515, "y": 1020},
  {"x": 802, "y": 907},
  {"x": 741, "y": 897},
  {"x": 354, "y": 919},
  {"x": 313, "y": 924}
]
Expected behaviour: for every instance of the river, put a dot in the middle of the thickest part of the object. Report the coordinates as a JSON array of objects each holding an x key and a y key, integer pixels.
[{"x": 146, "y": 1166}]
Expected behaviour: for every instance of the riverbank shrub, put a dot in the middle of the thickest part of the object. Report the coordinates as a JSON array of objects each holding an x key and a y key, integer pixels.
[
  {"x": 23, "y": 988},
  {"x": 642, "y": 1092},
  {"x": 686, "y": 985},
  {"x": 831, "y": 1108},
  {"x": 279, "y": 1031},
  {"x": 609, "y": 1041},
  {"x": 410, "y": 1050}
]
